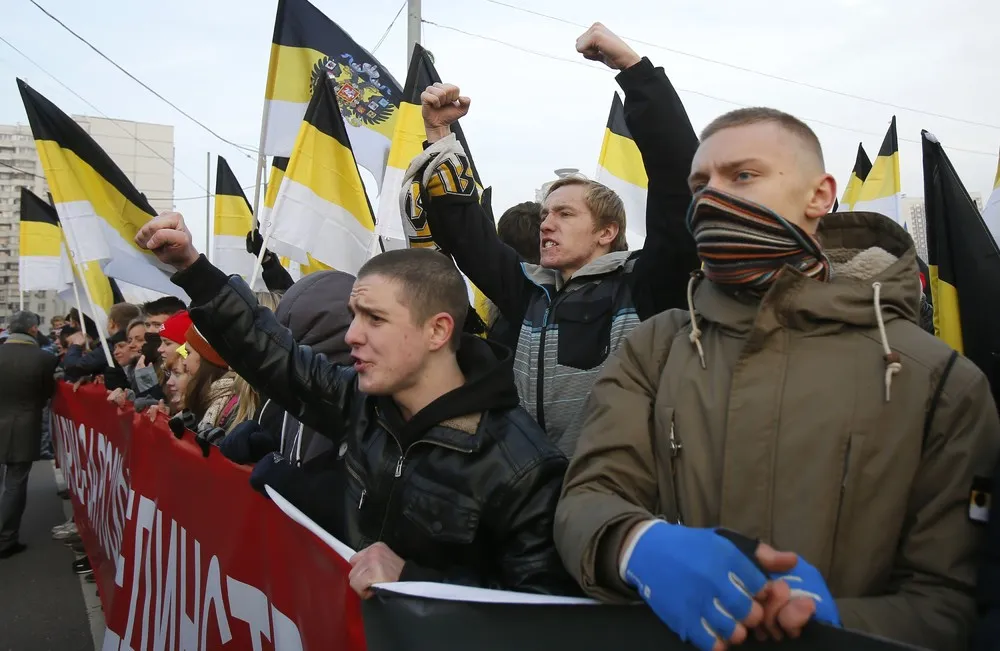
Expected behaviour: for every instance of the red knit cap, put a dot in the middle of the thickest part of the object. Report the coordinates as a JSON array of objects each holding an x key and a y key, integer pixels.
[
  {"x": 196, "y": 342},
  {"x": 175, "y": 328}
]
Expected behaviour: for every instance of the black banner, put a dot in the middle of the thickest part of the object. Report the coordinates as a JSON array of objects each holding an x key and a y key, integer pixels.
[{"x": 399, "y": 622}]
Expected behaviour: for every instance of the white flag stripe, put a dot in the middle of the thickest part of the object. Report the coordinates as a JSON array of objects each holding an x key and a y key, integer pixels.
[
  {"x": 307, "y": 223},
  {"x": 634, "y": 199}
]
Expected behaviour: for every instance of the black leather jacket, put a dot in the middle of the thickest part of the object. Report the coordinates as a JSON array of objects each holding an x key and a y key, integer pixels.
[{"x": 465, "y": 491}]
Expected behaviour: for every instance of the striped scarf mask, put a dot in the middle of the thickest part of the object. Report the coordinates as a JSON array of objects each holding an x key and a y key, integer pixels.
[{"x": 746, "y": 245}]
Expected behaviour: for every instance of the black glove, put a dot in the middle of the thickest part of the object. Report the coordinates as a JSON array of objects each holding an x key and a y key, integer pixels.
[
  {"x": 254, "y": 243},
  {"x": 247, "y": 443},
  {"x": 277, "y": 472}
]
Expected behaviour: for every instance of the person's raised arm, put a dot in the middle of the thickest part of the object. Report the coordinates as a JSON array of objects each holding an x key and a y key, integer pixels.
[
  {"x": 663, "y": 133},
  {"x": 445, "y": 190},
  {"x": 248, "y": 336}
]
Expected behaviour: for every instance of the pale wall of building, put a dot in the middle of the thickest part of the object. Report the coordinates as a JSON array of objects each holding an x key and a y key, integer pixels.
[{"x": 144, "y": 152}]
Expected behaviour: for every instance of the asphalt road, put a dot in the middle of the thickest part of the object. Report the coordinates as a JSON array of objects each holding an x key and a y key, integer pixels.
[{"x": 42, "y": 605}]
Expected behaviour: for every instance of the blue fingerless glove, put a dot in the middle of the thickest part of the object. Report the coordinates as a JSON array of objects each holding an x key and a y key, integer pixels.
[
  {"x": 699, "y": 583},
  {"x": 806, "y": 581}
]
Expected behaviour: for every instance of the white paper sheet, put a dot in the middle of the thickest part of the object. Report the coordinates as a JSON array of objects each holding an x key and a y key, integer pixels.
[
  {"x": 442, "y": 591},
  {"x": 343, "y": 550}
]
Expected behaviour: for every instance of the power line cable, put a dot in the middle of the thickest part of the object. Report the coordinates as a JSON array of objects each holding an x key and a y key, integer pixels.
[
  {"x": 760, "y": 73},
  {"x": 389, "y": 28},
  {"x": 105, "y": 116},
  {"x": 18, "y": 169},
  {"x": 242, "y": 148},
  {"x": 688, "y": 91}
]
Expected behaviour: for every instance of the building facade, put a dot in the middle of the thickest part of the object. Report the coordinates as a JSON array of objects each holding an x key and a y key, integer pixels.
[
  {"x": 144, "y": 152},
  {"x": 914, "y": 207}
]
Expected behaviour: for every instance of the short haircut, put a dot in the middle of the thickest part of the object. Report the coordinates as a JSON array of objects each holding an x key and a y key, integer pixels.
[
  {"x": 122, "y": 313},
  {"x": 23, "y": 321},
  {"x": 520, "y": 229},
  {"x": 429, "y": 284},
  {"x": 758, "y": 114},
  {"x": 66, "y": 332},
  {"x": 168, "y": 305},
  {"x": 52, "y": 321},
  {"x": 604, "y": 204}
]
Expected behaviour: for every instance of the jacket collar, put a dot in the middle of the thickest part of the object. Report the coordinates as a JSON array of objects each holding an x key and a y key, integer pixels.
[
  {"x": 865, "y": 248},
  {"x": 18, "y": 338},
  {"x": 605, "y": 264}
]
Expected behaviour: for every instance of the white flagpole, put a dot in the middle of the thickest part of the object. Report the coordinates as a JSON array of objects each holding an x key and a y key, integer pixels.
[{"x": 261, "y": 159}]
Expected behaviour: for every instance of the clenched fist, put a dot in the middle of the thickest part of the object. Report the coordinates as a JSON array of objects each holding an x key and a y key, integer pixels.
[
  {"x": 375, "y": 564},
  {"x": 442, "y": 105},
  {"x": 601, "y": 44},
  {"x": 169, "y": 239}
]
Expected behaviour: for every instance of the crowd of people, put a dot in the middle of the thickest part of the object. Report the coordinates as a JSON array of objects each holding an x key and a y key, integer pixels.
[{"x": 745, "y": 424}]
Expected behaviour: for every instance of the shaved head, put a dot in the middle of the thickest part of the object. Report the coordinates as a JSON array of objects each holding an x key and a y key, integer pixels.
[{"x": 812, "y": 151}]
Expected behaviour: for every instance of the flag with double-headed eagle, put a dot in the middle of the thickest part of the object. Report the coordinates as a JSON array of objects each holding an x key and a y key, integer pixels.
[{"x": 307, "y": 44}]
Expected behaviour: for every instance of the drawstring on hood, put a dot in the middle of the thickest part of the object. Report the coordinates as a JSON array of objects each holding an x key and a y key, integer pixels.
[
  {"x": 873, "y": 274},
  {"x": 695, "y": 336},
  {"x": 893, "y": 362}
]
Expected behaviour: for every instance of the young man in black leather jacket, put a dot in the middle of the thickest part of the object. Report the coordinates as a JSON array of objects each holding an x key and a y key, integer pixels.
[{"x": 449, "y": 479}]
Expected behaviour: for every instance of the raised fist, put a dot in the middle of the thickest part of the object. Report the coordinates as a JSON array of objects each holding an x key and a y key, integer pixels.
[
  {"x": 169, "y": 239},
  {"x": 601, "y": 44},
  {"x": 441, "y": 105}
]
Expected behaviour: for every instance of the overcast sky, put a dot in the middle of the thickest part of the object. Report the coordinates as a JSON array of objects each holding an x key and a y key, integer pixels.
[{"x": 532, "y": 113}]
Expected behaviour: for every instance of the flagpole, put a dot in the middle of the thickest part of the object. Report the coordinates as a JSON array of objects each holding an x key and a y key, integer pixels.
[
  {"x": 208, "y": 205},
  {"x": 413, "y": 24},
  {"x": 76, "y": 296}
]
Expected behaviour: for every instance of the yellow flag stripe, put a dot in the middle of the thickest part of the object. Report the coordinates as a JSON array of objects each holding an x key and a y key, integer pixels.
[
  {"x": 289, "y": 75},
  {"x": 72, "y": 179},
  {"x": 327, "y": 168},
  {"x": 620, "y": 156},
  {"x": 232, "y": 217},
  {"x": 947, "y": 323},
  {"x": 40, "y": 239},
  {"x": 409, "y": 136},
  {"x": 314, "y": 266},
  {"x": 996, "y": 179},
  {"x": 883, "y": 181},
  {"x": 273, "y": 185},
  {"x": 852, "y": 191}
]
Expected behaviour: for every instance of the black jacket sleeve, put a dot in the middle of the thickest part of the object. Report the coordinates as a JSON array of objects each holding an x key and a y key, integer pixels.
[
  {"x": 276, "y": 277},
  {"x": 305, "y": 383},
  {"x": 662, "y": 131},
  {"x": 523, "y": 523},
  {"x": 77, "y": 363},
  {"x": 463, "y": 229},
  {"x": 988, "y": 584}
]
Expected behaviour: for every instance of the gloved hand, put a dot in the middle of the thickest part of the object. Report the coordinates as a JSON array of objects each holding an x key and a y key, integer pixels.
[
  {"x": 254, "y": 241},
  {"x": 247, "y": 443},
  {"x": 698, "y": 582},
  {"x": 804, "y": 580},
  {"x": 277, "y": 472}
]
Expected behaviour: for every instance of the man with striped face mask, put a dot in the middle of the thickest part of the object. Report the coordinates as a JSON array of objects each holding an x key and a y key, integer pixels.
[{"x": 795, "y": 405}]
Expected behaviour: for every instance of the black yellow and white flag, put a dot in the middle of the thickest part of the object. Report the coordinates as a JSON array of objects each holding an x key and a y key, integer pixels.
[
  {"x": 233, "y": 219},
  {"x": 43, "y": 261},
  {"x": 862, "y": 166},
  {"x": 99, "y": 208},
  {"x": 307, "y": 45},
  {"x": 321, "y": 209},
  {"x": 882, "y": 191},
  {"x": 278, "y": 167},
  {"x": 991, "y": 213},
  {"x": 620, "y": 167},
  {"x": 407, "y": 143},
  {"x": 964, "y": 266}
]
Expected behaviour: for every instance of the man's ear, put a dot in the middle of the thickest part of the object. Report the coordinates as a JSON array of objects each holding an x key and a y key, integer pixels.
[
  {"x": 608, "y": 234},
  {"x": 440, "y": 328},
  {"x": 824, "y": 194}
]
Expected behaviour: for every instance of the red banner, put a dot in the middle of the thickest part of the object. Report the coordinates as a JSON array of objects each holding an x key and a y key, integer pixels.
[{"x": 186, "y": 555}]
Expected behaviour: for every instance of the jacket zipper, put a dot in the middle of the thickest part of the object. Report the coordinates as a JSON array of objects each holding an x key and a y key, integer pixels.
[
  {"x": 540, "y": 395},
  {"x": 840, "y": 503},
  {"x": 354, "y": 474},
  {"x": 675, "y": 452},
  {"x": 399, "y": 469}
]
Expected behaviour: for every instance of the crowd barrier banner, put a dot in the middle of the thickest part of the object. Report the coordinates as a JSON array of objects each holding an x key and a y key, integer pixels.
[{"x": 188, "y": 557}]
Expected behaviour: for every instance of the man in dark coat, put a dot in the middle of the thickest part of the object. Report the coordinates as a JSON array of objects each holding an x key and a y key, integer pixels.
[{"x": 23, "y": 395}]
